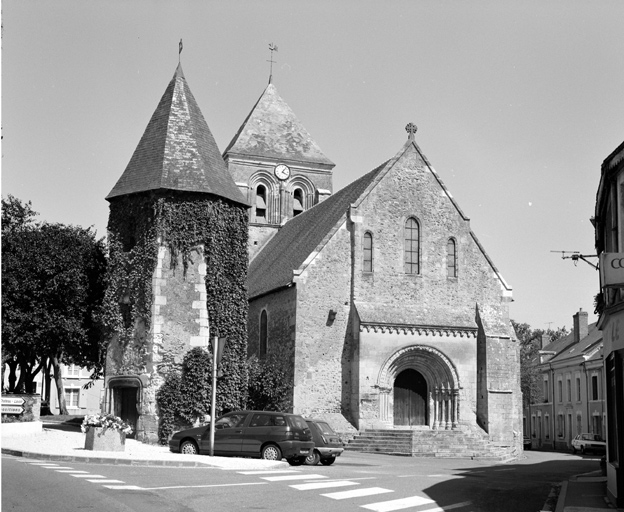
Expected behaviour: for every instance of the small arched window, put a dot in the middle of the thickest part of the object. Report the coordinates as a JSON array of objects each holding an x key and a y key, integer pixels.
[
  {"x": 297, "y": 202},
  {"x": 368, "y": 252},
  {"x": 411, "y": 247},
  {"x": 262, "y": 350},
  {"x": 261, "y": 204},
  {"x": 451, "y": 258}
]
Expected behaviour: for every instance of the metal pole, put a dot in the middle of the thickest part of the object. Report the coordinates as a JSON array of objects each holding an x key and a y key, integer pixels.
[{"x": 215, "y": 342}]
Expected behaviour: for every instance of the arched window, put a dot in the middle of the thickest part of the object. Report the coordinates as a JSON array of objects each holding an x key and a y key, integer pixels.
[
  {"x": 451, "y": 258},
  {"x": 411, "y": 247},
  {"x": 297, "y": 202},
  {"x": 263, "y": 335},
  {"x": 261, "y": 204},
  {"x": 368, "y": 252}
]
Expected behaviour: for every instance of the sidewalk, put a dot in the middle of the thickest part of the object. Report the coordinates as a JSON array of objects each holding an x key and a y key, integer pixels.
[
  {"x": 57, "y": 442},
  {"x": 584, "y": 493}
]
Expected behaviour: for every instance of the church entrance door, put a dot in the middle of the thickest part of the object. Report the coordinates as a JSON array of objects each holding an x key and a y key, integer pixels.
[
  {"x": 410, "y": 398},
  {"x": 126, "y": 406}
]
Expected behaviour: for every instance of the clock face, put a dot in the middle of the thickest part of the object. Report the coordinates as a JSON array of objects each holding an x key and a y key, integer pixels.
[{"x": 282, "y": 171}]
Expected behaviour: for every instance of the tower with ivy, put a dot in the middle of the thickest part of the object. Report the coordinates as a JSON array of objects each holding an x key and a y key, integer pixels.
[{"x": 178, "y": 232}]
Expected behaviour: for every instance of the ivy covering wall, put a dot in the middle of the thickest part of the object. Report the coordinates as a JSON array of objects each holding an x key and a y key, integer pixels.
[{"x": 181, "y": 222}]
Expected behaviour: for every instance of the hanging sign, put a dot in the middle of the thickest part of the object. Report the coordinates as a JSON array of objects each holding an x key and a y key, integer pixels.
[{"x": 612, "y": 269}]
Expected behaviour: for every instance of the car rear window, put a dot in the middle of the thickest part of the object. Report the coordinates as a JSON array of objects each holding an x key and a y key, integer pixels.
[
  {"x": 324, "y": 427},
  {"x": 297, "y": 422}
]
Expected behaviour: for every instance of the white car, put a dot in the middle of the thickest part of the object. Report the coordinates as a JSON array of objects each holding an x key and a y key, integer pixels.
[{"x": 588, "y": 443}]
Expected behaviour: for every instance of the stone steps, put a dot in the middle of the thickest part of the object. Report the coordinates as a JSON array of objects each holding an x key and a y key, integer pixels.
[{"x": 429, "y": 443}]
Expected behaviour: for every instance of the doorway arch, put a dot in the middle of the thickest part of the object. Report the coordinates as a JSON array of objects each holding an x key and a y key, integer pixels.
[{"x": 440, "y": 388}]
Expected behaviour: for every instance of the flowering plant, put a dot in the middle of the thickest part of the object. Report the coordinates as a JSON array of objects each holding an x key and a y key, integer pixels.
[{"x": 105, "y": 421}]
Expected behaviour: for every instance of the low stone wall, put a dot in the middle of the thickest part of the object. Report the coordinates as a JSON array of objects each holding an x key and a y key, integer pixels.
[{"x": 26, "y": 407}]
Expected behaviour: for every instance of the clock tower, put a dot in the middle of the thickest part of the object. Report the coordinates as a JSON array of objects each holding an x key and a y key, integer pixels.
[{"x": 277, "y": 166}]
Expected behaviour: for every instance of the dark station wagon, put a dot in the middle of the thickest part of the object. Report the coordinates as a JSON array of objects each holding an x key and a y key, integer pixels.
[
  {"x": 265, "y": 434},
  {"x": 327, "y": 444}
]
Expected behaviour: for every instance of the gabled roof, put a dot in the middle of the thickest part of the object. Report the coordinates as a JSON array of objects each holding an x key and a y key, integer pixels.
[
  {"x": 300, "y": 237},
  {"x": 272, "y": 130},
  {"x": 177, "y": 151},
  {"x": 585, "y": 347},
  {"x": 273, "y": 267}
]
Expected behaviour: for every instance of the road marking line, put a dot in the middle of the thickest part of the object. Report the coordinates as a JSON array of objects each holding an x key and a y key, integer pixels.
[
  {"x": 107, "y": 481},
  {"x": 448, "y": 507},
  {"x": 292, "y": 477},
  {"x": 388, "y": 506},
  {"x": 268, "y": 472},
  {"x": 42, "y": 463},
  {"x": 126, "y": 487},
  {"x": 88, "y": 476},
  {"x": 70, "y": 471},
  {"x": 323, "y": 485},
  {"x": 356, "y": 493},
  {"x": 200, "y": 486},
  {"x": 57, "y": 467}
]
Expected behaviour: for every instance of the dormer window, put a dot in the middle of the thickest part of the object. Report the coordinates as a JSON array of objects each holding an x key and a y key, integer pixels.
[
  {"x": 261, "y": 204},
  {"x": 297, "y": 202}
]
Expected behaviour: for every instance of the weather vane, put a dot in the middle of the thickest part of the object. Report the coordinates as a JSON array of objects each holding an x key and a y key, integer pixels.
[{"x": 273, "y": 48}]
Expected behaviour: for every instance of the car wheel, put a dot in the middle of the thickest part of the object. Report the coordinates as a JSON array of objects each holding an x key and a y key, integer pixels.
[
  {"x": 271, "y": 452},
  {"x": 328, "y": 462},
  {"x": 188, "y": 448},
  {"x": 313, "y": 458},
  {"x": 296, "y": 461}
]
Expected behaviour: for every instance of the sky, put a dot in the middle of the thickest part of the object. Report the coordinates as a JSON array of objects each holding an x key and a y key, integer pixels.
[{"x": 517, "y": 105}]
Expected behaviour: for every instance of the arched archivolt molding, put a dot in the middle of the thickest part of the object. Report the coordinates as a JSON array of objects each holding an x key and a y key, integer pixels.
[
  {"x": 432, "y": 363},
  {"x": 272, "y": 193},
  {"x": 306, "y": 186}
]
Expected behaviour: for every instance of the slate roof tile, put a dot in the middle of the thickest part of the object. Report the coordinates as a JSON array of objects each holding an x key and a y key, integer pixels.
[{"x": 177, "y": 151}]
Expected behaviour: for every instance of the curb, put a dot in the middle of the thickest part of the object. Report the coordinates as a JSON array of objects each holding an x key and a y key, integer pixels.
[
  {"x": 105, "y": 460},
  {"x": 562, "y": 496}
]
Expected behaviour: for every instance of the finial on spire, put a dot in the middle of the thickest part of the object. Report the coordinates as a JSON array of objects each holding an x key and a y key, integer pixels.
[
  {"x": 180, "y": 50},
  {"x": 273, "y": 48},
  {"x": 411, "y": 130}
]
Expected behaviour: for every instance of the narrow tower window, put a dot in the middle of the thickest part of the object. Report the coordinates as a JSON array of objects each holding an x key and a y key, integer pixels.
[
  {"x": 368, "y": 252},
  {"x": 297, "y": 202},
  {"x": 451, "y": 258},
  {"x": 263, "y": 335},
  {"x": 261, "y": 204},
  {"x": 411, "y": 247}
]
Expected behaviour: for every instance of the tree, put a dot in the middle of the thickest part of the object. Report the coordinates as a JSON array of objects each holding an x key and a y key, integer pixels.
[
  {"x": 269, "y": 387},
  {"x": 530, "y": 344},
  {"x": 53, "y": 287}
]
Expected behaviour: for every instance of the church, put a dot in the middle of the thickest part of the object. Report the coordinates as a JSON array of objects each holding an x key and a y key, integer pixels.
[{"x": 379, "y": 299}]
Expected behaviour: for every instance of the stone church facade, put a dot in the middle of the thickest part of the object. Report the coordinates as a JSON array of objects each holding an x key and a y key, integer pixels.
[{"x": 379, "y": 299}]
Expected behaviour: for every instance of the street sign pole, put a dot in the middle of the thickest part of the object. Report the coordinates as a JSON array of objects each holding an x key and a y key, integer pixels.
[{"x": 215, "y": 343}]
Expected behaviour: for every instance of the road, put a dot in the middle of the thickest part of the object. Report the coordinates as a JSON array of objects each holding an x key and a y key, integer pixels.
[{"x": 355, "y": 482}]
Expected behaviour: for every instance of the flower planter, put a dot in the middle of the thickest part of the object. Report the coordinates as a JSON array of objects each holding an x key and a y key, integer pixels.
[{"x": 105, "y": 439}]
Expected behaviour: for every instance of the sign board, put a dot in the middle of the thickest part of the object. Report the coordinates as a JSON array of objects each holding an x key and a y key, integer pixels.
[
  {"x": 612, "y": 270},
  {"x": 12, "y": 405}
]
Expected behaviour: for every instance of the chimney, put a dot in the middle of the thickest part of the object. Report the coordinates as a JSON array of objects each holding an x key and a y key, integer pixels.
[
  {"x": 580, "y": 325},
  {"x": 545, "y": 340}
]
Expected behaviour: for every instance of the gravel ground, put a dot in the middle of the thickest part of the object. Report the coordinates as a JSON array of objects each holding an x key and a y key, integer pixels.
[{"x": 61, "y": 443}]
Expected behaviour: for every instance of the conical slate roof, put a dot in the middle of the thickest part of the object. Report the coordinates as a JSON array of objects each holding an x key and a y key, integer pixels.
[
  {"x": 177, "y": 151},
  {"x": 272, "y": 130}
]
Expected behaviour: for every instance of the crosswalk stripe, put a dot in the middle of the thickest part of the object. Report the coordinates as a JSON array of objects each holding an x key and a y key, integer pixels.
[
  {"x": 127, "y": 487},
  {"x": 323, "y": 485},
  {"x": 298, "y": 476},
  {"x": 388, "y": 506},
  {"x": 88, "y": 476},
  {"x": 106, "y": 481},
  {"x": 57, "y": 467},
  {"x": 70, "y": 471},
  {"x": 356, "y": 493}
]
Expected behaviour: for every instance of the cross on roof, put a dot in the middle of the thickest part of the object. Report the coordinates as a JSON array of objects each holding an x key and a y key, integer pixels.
[
  {"x": 411, "y": 130},
  {"x": 273, "y": 48}
]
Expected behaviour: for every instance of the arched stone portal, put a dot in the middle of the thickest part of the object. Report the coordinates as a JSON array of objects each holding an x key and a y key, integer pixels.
[{"x": 440, "y": 386}]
